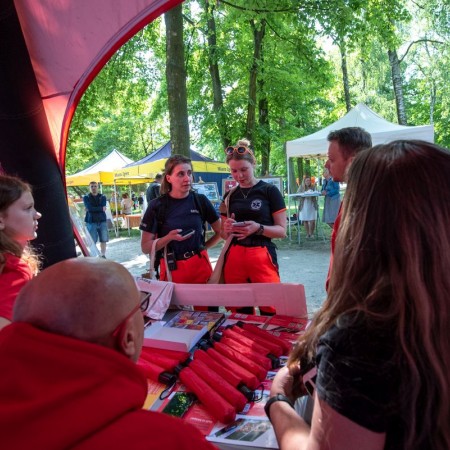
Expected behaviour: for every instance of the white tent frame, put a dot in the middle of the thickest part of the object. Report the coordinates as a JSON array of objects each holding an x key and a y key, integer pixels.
[{"x": 315, "y": 145}]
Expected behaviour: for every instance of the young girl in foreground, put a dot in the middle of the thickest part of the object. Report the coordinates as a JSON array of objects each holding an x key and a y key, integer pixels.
[
  {"x": 18, "y": 225},
  {"x": 381, "y": 342}
]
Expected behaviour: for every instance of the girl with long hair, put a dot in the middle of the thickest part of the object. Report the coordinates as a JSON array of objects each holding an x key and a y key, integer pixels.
[
  {"x": 176, "y": 211},
  {"x": 378, "y": 353},
  {"x": 18, "y": 225}
]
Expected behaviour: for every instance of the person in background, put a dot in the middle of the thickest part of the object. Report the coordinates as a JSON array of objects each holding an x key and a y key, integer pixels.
[
  {"x": 332, "y": 202},
  {"x": 376, "y": 357},
  {"x": 95, "y": 204},
  {"x": 344, "y": 145},
  {"x": 178, "y": 209},
  {"x": 260, "y": 211},
  {"x": 307, "y": 207},
  {"x": 126, "y": 204},
  {"x": 72, "y": 381},
  {"x": 153, "y": 191},
  {"x": 114, "y": 202},
  {"x": 18, "y": 226}
]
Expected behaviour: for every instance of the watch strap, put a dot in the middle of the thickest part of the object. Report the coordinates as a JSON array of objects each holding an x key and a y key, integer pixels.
[
  {"x": 260, "y": 230},
  {"x": 276, "y": 398}
]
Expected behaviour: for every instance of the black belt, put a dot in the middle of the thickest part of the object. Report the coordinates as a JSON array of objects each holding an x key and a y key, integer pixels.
[
  {"x": 253, "y": 241},
  {"x": 187, "y": 255}
]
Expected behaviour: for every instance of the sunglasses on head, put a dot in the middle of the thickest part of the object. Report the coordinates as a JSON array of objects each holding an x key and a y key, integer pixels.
[{"x": 241, "y": 150}]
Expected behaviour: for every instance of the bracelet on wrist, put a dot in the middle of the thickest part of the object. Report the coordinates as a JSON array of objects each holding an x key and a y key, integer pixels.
[{"x": 276, "y": 398}]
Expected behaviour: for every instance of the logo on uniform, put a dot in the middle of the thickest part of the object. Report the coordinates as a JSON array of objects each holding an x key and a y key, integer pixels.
[{"x": 256, "y": 204}]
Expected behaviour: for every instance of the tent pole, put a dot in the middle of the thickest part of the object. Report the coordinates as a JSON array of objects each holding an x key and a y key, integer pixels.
[
  {"x": 116, "y": 225},
  {"x": 288, "y": 193}
]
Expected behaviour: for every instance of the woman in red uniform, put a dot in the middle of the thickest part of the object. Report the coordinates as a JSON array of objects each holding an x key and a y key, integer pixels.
[
  {"x": 18, "y": 225},
  {"x": 256, "y": 215}
]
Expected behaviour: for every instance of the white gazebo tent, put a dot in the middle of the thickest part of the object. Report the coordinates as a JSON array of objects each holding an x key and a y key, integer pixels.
[{"x": 316, "y": 145}]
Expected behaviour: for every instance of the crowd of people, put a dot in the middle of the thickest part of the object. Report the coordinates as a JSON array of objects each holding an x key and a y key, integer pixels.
[{"x": 373, "y": 364}]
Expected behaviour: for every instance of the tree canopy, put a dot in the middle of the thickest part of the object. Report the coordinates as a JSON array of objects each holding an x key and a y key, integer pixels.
[{"x": 268, "y": 71}]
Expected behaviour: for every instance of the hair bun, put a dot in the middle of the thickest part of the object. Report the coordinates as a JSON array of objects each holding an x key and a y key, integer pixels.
[{"x": 243, "y": 142}]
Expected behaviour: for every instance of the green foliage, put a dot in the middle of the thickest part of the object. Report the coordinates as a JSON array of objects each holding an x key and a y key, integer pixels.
[{"x": 299, "y": 75}]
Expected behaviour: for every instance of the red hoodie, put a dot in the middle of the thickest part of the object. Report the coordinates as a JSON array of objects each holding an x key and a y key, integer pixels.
[
  {"x": 15, "y": 274},
  {"x": 58, "y": 393}
]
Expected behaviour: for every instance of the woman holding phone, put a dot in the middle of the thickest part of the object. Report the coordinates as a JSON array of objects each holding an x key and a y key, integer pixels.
[
  {"x": 256, "y": 214},
  {"x": 177, "y": 220}
]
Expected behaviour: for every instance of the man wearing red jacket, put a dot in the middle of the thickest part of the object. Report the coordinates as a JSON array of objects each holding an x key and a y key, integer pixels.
[
  {"x": 344, "y": 145},
  {"x": 69, "y": 378}
]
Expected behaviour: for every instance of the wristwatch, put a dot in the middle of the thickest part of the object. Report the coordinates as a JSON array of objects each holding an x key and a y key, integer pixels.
[
  {"x": 261, "y": 230},
  {"x": 276, "y": 398}
]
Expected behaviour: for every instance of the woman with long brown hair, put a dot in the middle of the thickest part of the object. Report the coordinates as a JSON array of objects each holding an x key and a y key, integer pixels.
[
  {"x": 18, "y": 225},
  {"x": 378, "y": 353}
]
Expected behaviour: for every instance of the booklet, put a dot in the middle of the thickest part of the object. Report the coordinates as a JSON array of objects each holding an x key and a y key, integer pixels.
[
  {"x": 191, "y": 319},
  {"x": 183, "y": 331},
  {"x": 245, "y": 431},
  {"x": 162, "y": 335}
]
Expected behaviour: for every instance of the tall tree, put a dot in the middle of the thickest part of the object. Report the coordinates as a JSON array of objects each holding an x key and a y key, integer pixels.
[
  {"x": 258, "y": 30},
  {"x": 176, "y": 82},
  {"x": 213, "y": 65}
]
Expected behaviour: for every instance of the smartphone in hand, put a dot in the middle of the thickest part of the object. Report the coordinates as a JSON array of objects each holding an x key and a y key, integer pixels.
[
  {"x": 187, "y": 232},
  {"x": 238, "y": 224}
]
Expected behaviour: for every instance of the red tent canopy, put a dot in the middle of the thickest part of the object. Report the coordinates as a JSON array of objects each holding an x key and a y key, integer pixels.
[{"x": 50, "y": 50}]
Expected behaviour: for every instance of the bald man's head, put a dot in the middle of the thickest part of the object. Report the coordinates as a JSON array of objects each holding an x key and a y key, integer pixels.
[{"x": 83, "y": 298}]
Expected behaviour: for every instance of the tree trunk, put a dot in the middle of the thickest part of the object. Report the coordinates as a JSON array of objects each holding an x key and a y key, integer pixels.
[
  {"x": 264, "y": 124},
  {"x": 343, "y": 51},
  {"x": 432, "y": 101},
  {"x": 398, "y": 86},
  {"x": 300, "y": 172},
  {"x": 258, "y": 36},
  {"x": 219, "y": 111},
  {"x": 176, "y": 82}
]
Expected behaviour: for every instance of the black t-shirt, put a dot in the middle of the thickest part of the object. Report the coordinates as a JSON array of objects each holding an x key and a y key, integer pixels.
[
  {"x": 358, "y": 378},
  {"x": 263, "y": 200},
  {"x": 180, "y": 214}
]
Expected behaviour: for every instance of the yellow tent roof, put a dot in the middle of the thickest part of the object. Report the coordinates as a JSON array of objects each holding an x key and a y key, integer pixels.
[{"x": 152, "y": 168}]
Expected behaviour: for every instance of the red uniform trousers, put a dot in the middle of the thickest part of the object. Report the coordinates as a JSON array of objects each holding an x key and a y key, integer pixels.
[
  {"x": 195, "y": 270},
  {"x": 251, "y": 265}
]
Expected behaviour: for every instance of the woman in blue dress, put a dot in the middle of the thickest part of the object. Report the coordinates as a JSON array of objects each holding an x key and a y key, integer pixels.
[{"x": 330, "y": 189}]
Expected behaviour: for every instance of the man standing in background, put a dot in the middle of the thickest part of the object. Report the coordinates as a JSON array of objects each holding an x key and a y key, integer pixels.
[
  {"x": 153, "y": 189},
  {"x": 95, "y": 204},
  {"x": 344, "y": 145}
]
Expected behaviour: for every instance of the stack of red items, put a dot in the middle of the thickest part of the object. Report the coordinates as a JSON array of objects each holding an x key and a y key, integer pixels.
[{"x": 223, "y": 375}]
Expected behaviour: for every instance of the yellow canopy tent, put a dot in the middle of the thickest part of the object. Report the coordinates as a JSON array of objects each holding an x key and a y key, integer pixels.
[
  {"x": 101, "y": 171},
  {"x": 149, "y": 170}
]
